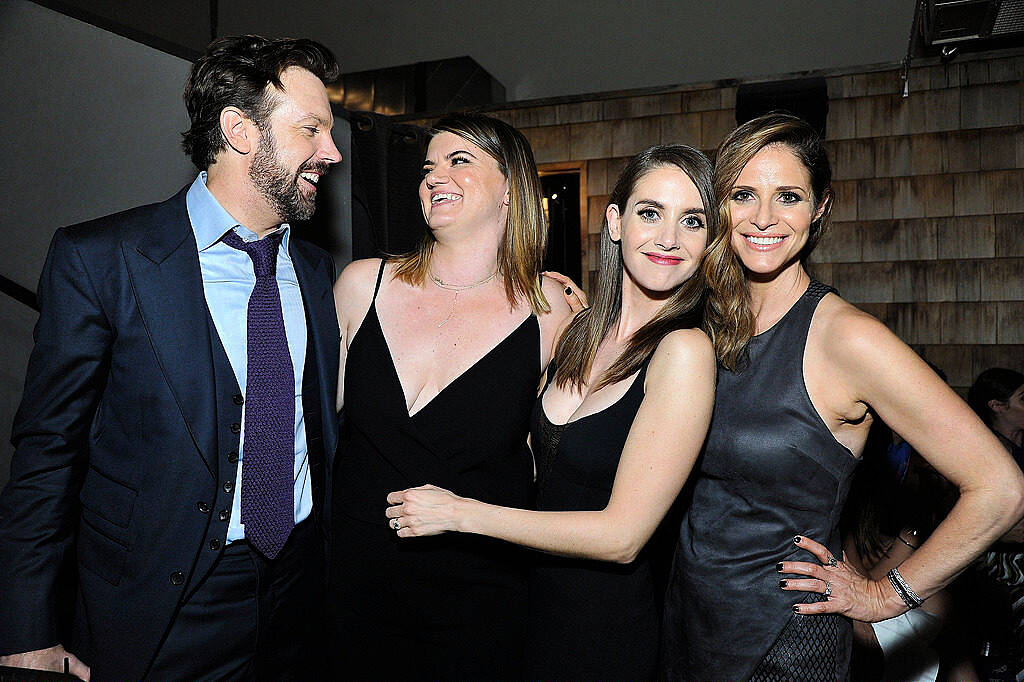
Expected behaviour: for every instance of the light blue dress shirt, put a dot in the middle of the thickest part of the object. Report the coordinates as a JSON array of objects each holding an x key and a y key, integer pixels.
[{"x": 228, "y": 281}]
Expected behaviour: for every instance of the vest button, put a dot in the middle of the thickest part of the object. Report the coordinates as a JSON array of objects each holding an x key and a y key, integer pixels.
[
  {"x": 215, "y": 544},
  {"x": 223, "y": 515},
  {"x": 177, "y": 578},
  {"x": 228, "y": 485},
  {"x": 232, "y": 457},
  {"x": 203, "y": 507},
  {"x": 236, "y": 427},
  {"x": 237, "y": 399}
]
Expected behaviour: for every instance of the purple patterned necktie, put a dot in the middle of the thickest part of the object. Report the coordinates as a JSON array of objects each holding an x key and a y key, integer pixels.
[{"x": 268, "y": 447}]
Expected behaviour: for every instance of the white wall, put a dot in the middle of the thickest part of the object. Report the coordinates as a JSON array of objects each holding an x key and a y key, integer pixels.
[{"x": 91, "y": 125}]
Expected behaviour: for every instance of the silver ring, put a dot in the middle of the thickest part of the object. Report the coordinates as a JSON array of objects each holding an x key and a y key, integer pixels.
[
  {"x": 396, "y": 524},
  {"x": 828, "y": 590},
  {"x": 831, "y": 561}
]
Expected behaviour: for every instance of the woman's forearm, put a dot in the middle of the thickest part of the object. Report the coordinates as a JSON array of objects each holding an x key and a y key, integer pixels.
[
  {"x": 979, "y": 518},
  {"x": 577, "y": 534}
]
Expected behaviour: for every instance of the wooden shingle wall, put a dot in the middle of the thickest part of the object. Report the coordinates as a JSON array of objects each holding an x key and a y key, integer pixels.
[{"x": 928, "y": 225}]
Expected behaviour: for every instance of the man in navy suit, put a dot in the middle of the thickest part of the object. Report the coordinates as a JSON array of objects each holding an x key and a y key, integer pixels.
[{"x": 178, "y": 414}]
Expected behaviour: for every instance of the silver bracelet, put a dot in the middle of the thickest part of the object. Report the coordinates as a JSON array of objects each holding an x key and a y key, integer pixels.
[{"x": 908, "y": 595}]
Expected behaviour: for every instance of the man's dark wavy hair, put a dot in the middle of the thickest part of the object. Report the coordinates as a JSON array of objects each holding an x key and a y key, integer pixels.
[{"x": 235, "y": 71}]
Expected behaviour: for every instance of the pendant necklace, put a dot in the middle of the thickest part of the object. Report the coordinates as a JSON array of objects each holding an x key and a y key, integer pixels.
[{"x": 457, "y": 288}]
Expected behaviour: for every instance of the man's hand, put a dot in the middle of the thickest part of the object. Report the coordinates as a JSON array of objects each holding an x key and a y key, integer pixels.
[{"x": 51, "y": 659}]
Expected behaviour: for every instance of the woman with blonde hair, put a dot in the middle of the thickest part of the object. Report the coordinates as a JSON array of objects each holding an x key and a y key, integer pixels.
[
  {"x": 615, "y": 433},
  {"x": 758, "y": 590},
  {"x": 442, "y": 350}
]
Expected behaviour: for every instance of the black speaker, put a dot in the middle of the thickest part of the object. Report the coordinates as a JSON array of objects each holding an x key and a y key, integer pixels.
[
  {"x": 804, "y": 97},
  {"x": 386, "y": 162}
]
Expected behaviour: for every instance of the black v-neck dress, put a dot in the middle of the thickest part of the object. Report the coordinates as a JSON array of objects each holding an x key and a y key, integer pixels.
[
  {"x": 443, "y": 607},
  {"x": 594, "y": 620}
]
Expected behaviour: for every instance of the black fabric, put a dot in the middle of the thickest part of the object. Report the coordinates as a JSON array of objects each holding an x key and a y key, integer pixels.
[
  {"x": 251, "y": 617},
  {"x": 771, "y": 470},
  {"x": 590, "y": 619},
  {"x": 450, "y": 606},
  {"x": 805, "y": 650},
  {"x": 544, "y": 435}
]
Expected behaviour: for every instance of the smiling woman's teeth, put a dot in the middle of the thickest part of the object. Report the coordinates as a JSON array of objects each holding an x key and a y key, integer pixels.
[
  {"x": 441, "y": 197},
  {"x": 764, "y": 241}
]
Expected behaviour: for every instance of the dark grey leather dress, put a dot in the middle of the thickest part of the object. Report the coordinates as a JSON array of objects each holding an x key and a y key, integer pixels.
[{"x": 771, "y": 470}]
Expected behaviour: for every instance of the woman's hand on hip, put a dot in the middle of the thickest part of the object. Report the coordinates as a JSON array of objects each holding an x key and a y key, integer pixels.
[{"x": 846, "y": 591}]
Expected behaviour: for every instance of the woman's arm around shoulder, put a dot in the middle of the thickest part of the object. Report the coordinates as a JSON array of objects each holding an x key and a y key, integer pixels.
[
  {"x": 663, "y": 443},
  {"x": 353, "y": 294},
  {"x": 554, "y": 322}
]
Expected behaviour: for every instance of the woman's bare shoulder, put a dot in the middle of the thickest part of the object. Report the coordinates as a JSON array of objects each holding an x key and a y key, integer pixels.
[
  {"x": 358, "y": 273},
  {"x": 845, "y": 330},
  {"x": 682, "y": 349},
  {"x": 554, "y": 294},
  {"x": 353, "y": 291}
]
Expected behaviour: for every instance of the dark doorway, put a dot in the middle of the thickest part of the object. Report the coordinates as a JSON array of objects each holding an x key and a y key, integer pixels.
[{"x": 562, "y": 209}]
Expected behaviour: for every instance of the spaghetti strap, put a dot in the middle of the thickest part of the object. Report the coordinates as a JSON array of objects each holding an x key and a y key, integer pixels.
[{"x": 380, "y": 275}]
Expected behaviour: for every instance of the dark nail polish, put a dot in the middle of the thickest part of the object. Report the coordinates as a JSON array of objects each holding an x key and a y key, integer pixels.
[
  {"x": 782, "y": 583},
  {"x": 778, "y": 567},
  {"x": 796, "y": 609},
  {"x": 797, "y": 539},
  {"x": 568, "y": 290}
]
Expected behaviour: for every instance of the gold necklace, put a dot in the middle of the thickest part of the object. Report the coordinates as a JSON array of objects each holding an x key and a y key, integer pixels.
[{"x": 457, "y": 288}]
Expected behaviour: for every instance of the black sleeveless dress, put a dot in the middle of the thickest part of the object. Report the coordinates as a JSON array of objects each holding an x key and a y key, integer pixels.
[
  {"x": 771, "y": 470},
  {"x": 450, "y": 606},
  {"x": 589, "y": 619}
]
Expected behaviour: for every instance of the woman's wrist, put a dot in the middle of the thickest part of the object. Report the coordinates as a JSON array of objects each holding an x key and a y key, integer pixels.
[
  {"x": 464, "y": 515},
  {"x": 902, "y": 590}
]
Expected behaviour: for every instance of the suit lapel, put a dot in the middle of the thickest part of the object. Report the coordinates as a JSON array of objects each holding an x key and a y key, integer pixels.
[
  {"x": 163, "y": 266},
  {"x": 315, "y": 280}
]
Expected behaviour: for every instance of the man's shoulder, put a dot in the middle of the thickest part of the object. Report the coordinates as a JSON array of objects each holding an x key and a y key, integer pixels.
[
  {"x": 314, "y": 254},
  {"x": 114, "y": 227}
]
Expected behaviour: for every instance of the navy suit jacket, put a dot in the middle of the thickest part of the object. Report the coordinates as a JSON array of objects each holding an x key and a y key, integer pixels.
[{"x": 121, "y": 436}]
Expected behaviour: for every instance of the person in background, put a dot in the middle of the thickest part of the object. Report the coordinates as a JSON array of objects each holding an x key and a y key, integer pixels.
[
  {"x": 997, "y": 395},
  {"x": 884, "y": 521},
  {"x": 442, "y": 350},
  {"x": 178, "y": 409}
]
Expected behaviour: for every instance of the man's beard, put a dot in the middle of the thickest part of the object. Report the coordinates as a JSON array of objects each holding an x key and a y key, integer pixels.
[{"x": 278, "y": 185}]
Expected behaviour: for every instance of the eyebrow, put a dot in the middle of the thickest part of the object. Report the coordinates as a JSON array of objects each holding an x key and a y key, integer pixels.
[
  {"x": 323, "y": 122},
  {"x": 658, "y": 204},
  {"x": 783, "y": 188},
  {"x": 449, "y": 155}
]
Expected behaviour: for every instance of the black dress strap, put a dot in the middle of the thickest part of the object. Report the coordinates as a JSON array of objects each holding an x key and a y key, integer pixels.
[{"x": 380, "y": 275}]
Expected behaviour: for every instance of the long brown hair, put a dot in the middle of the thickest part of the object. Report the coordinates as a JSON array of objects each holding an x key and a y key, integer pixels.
[
  {"x": 682, "y": 310},
  {"x": 521, "y": 251},
  {"x": 730, "y": 320}
]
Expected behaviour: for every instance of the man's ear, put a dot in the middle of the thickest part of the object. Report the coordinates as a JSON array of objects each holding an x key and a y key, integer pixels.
[
  {"x": 238, "y": 131},
  {"x": 997, "y": 406}
]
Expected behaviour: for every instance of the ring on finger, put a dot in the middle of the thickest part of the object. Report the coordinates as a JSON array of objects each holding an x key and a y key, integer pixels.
[
  {"x": 396, "y": 524},
  {"x": 828, "y": 590},
  {"x": 831, "y": 561}
]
